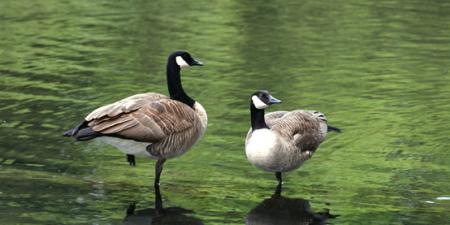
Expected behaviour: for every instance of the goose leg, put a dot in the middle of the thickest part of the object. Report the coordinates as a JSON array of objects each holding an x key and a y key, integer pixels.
[
  {"x": 131, "y": 208},
  {"x": 158, "y": 170},
  {"x": 131, "y": 160},
  {"x": 280, "y": 181}
]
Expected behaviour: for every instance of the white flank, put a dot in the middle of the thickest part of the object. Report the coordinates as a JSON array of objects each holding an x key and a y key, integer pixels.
[
  {"x": 259, "y": 148},
  {"x": 323, "y": 130},
  {"x": 128, "y": 146},
  {"x": 201, "y": 112},
  {"x": 180, "y": 61},
  {"x": 258, "y": 103}
]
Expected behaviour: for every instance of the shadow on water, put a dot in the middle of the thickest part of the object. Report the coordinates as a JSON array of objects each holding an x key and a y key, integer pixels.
[
  {"x": 171, "y": 215},
  {"x": 158, "y": 215},
  {"x": 280, "y": 210}
]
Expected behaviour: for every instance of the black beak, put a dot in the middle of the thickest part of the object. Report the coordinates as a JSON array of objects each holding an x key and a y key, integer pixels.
[
  {"x": 273, "y": 100},
  {"x": 196, "y": 63},
  {"x": 331, "y": 128}
]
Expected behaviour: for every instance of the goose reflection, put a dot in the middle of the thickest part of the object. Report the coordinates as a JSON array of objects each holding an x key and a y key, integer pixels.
[
  {"x": 280, "y": 210},
  {"x": 151, "y": 216}
]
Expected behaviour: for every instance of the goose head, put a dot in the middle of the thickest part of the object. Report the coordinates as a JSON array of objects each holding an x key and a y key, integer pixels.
[
  {"x": 262, "y": 99},
  {"x": 183, "y": 59}
]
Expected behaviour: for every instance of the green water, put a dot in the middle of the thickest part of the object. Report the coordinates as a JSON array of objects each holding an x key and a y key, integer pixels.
[{"x": 378, "y": 69}]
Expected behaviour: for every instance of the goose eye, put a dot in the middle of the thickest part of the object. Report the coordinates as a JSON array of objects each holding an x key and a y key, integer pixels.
[{"x": 265, "y": 98}]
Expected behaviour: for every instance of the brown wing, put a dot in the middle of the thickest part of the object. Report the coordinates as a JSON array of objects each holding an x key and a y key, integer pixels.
[
  {"x": 301, "y": 127},
  {"x": 125, "y": 105},
  {"x": 151, "y": 122},
  {"x": 273, "y": 117}
]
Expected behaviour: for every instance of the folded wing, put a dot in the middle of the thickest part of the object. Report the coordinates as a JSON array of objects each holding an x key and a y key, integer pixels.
[
  {"x": 299, "y": 126},
  {"x": 146, "y": 117}
]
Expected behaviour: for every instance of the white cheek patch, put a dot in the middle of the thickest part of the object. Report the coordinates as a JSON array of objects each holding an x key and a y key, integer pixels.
[
  {"x": 258, "y": 103},
  {"x": 180, "y": 61}
]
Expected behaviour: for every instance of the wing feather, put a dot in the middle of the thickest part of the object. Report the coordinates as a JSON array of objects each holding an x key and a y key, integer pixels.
[
  {"x": 124, "y": 106},
  {"x": 301, "y": 127},
  {"x": 273, "y": 117},
  {"x": 144, "y": 119},
  {"x": 101, "y": 126}
]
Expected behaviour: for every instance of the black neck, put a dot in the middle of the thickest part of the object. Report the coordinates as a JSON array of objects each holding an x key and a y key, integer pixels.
[
  {"x": 176, "y": 90},
  {"x": 257, "y": 118}
]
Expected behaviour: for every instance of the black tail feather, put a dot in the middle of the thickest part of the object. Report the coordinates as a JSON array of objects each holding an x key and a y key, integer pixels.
[
  {"x": 72, "y": 132},
  {"x": 82, "y": 132},
  {"x": 69, "y": 133},
  {"x": 86, "y": 134},
  {"x": 331, "y": 128}
]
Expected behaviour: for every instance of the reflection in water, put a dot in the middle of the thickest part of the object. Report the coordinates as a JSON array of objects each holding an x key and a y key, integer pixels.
[
  {"x": 171, "y": 215},
  {"x": 280, "y": 210}
]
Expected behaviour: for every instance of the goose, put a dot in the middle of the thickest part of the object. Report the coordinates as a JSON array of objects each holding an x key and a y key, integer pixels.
[
  {"x": 282, "y": 141},
  {"x": 151, "y": 125}
]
